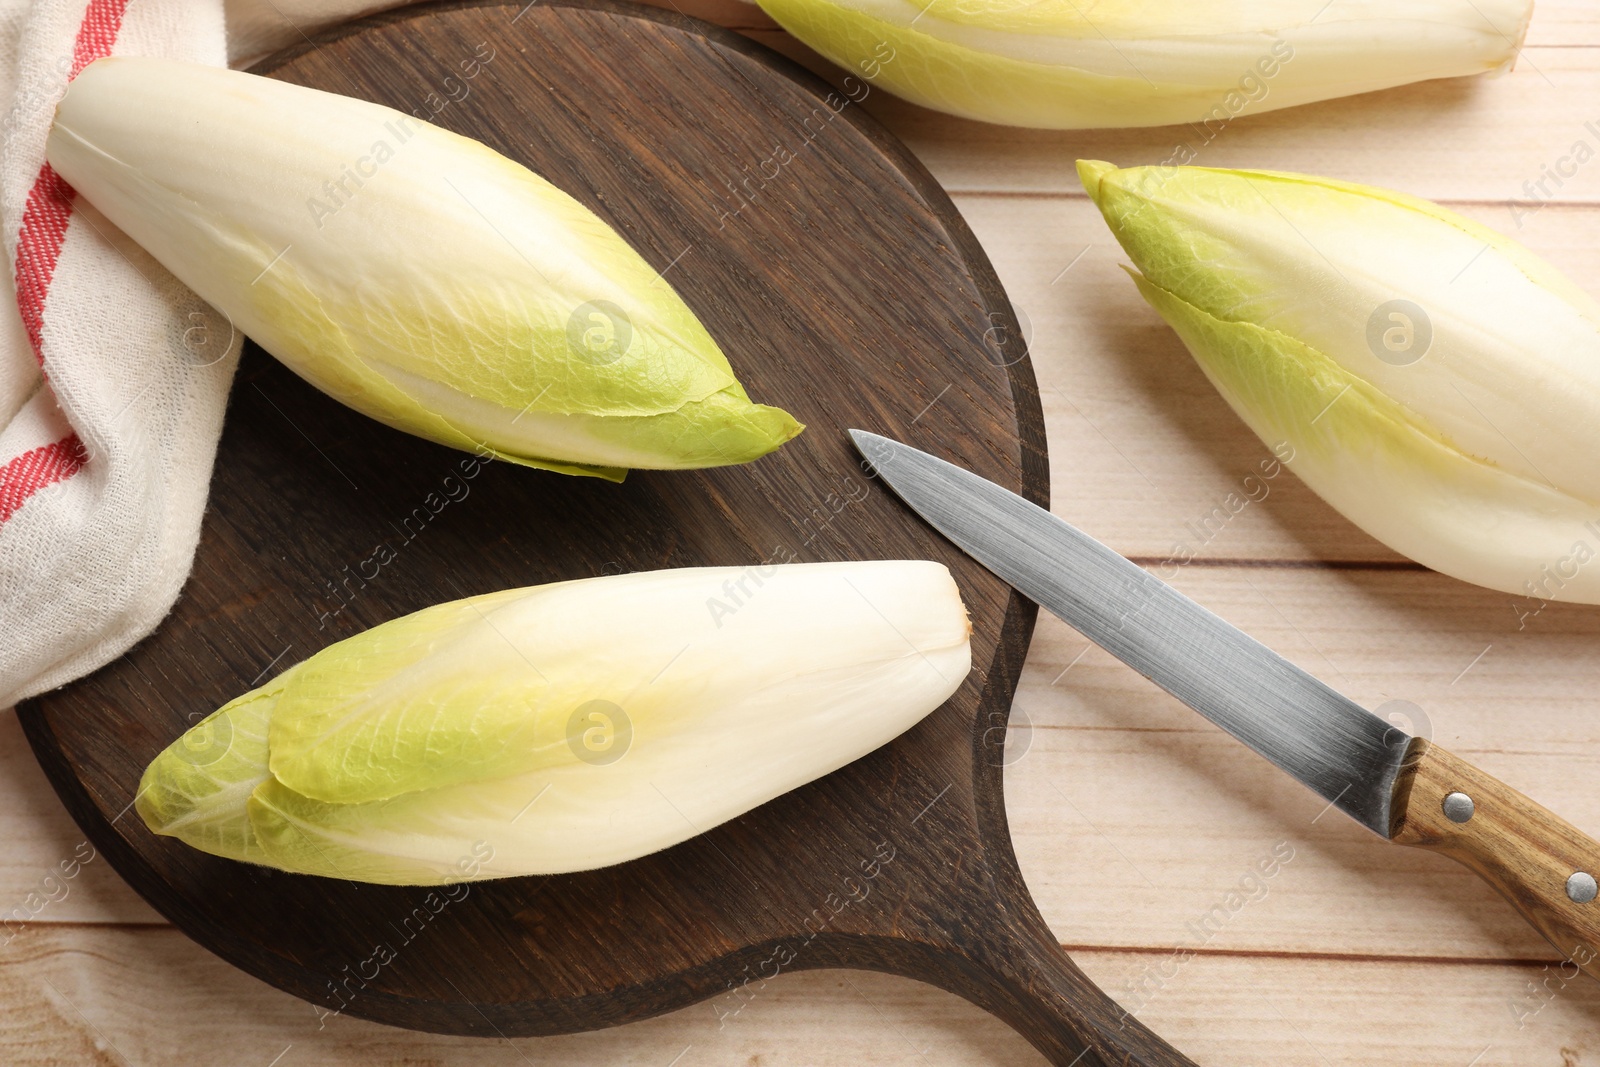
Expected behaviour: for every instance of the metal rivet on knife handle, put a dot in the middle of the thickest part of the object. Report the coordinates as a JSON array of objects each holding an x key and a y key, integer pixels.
[
  {"x": 1458, "y": 807},
  {"x": 1581, "y": 887},
  {"x": 1531, "y": 856}
]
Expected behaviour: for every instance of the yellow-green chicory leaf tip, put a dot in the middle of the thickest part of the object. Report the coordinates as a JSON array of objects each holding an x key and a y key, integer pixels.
[
  {"x": 175, "y": 786},
  {"x": 781, "y": 427},
  {"x": 177, "y": 799},
  {"x": 1091, "y": 172},
  {"x": 721, "y": 430},
  {"x": 156, "y": 804}
]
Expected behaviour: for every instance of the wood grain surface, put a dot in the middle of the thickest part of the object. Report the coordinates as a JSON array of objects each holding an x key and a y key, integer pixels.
[{"x": 1131, "y": 818}]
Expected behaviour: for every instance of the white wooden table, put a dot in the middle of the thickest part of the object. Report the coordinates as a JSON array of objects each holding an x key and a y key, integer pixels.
[{"x": 1132, "y": 817}]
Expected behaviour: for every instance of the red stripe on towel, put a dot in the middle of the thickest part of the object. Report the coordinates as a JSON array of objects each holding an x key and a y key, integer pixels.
[
  {"x": 32, "y": 471},
  {"x": 44, "y": 230}
]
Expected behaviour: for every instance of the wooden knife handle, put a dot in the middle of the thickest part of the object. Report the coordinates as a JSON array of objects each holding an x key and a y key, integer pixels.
[{"x": 1543, "y": 865}]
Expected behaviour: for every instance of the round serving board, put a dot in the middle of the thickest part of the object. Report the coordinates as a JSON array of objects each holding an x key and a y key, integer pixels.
[{"x": 844, "y": 287}]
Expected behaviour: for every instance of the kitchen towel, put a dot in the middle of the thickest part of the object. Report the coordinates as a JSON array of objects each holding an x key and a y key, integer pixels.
[{"x": 113, "y": 375}]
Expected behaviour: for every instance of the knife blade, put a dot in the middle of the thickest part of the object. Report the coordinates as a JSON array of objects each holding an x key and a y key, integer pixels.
[{"x": 1402, "y": 787}]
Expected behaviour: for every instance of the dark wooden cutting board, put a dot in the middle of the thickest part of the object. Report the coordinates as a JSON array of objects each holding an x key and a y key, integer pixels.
[{"x": 844, "y": 287}]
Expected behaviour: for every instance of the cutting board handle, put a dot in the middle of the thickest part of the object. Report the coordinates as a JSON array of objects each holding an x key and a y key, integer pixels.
[
  {"x": 1020, "y": 973},
  {"x": 1543, "y": 865},
  {"x": 986, "y": 941}
]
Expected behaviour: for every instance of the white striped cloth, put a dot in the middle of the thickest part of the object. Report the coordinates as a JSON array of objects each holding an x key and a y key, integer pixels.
[{"x": 113, "y": 376}]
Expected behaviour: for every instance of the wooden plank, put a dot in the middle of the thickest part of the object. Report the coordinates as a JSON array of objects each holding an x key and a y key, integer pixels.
[
  {"x": 1558, "y": 23},
  {"x": 1228, "y": 1010},
  {"x": 123, "y": 997},
  {"x": 1133, "y": 818}
]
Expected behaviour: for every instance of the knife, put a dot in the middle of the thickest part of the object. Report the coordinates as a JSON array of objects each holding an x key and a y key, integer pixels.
[{"x": 1401, "y": 787}]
